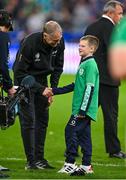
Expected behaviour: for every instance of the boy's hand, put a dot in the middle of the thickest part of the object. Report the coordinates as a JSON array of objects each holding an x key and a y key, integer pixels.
[
  {"x": 80, "y": 116},
  {"x": 50, "y": 100}
]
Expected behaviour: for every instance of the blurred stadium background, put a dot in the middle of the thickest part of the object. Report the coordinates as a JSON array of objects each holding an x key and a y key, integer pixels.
[{"x": 73, "y": 15}]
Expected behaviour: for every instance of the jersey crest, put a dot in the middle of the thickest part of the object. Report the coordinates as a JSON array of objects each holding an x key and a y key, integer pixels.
[{"x": 81, "y": 71}]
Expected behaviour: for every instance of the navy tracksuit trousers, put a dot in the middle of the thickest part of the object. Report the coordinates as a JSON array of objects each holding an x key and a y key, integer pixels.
[{"x": 78, "y": 131}]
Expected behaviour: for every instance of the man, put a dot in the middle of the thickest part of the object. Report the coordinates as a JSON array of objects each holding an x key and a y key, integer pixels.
[
  {"x": 41, "y": 54},
  {"x": 6, "y": 82},
  {"x": 5, "y": 26},
  {"x": 109, "y": 88}
]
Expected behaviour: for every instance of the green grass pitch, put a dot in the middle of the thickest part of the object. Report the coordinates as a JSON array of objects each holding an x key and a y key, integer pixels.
[{"x": 12, "y": 152}]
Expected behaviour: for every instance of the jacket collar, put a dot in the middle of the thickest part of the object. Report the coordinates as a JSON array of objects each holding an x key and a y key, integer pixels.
[
  {"x": 107, "y": 17},
  {"x": 87, "y": 58}
]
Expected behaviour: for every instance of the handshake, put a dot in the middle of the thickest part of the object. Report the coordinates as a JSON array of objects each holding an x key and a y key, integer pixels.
[{"x": 48, "y": 92}]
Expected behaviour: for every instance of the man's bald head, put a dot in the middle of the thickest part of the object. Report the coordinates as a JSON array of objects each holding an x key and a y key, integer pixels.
[
  {"x": 51, "y": 27},
  {"x": 52, "y": 33}
]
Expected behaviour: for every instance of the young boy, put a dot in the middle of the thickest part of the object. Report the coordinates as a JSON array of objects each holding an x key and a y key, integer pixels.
[{"x": 84, "y": 108}]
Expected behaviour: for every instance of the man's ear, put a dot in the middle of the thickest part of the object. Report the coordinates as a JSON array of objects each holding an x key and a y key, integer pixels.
[
  {"x": 110, "y": 14},
  {"x": 44, "y": 34}
]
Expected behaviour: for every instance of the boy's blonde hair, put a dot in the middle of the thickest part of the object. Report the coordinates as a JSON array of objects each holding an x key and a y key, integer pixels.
[{"x": 92, "y": 40}]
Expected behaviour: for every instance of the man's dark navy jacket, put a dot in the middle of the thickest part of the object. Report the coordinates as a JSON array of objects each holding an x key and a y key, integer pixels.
[{"x": 39, "y": 60}]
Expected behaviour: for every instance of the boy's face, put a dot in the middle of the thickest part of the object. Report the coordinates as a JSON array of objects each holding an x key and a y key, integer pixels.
[{"x": 84, "y": 48}]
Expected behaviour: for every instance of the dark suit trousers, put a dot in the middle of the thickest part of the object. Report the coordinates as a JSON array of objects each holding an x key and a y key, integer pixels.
[{"x": 108, "y": 100}]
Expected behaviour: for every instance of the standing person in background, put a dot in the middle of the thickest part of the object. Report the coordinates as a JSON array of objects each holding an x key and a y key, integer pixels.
[
  {"x": 5, "y": 26},
  {"x": 109, "y": 87},
  {"x": 5, "y": 79},
  {"x": 40, "y": 54}
]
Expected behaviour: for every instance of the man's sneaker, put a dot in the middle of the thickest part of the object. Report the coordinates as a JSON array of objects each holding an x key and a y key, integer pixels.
[
  {"x": 82, "y": 170},
  {"x": 120, "y": 155},
  {"x": 44, "y": 165},
  {"x": 68, "y": 168},
  {"x": 30, "y": 166},
  {"x": 3, "y": 168}
]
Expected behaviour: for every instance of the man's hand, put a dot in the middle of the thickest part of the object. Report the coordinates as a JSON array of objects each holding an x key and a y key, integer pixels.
[
  {"x": 47, "y": 92},
  {"x": 12, "y": 91}
]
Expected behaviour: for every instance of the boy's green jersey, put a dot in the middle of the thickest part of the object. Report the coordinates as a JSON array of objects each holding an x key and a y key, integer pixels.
[{"x": 85, "y": 97}]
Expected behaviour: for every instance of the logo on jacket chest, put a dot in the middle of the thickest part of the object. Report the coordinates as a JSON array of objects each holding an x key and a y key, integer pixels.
[
  {"x": 54, "y": 53},
  {"x": 37, "y": 57}
]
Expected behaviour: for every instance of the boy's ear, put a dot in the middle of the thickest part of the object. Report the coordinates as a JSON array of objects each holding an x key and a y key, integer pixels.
[{"x": 92, "y": 49}]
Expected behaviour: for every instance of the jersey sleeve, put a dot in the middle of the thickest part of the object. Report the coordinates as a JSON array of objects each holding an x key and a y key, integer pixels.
[
  {"x": 90, "y": 74},
  {"x": 63, "y": 90}
]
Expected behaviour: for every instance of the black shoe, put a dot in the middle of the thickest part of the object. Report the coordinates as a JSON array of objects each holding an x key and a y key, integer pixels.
[
  {"x": 44, "y": 165},
  {"x": 78, "y": 172},
  {"x": 30, "y": 166},
  {"x": 120, "y": 155},
  {"x": 3, "y": 176},
  {"x": 4, "y": 168}
]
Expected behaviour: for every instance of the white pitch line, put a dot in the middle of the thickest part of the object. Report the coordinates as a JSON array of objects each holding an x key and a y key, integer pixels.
[
  {"x": 109, "y": 165},
  {"x": 13, "y": 158},
  {"x": 62, "y": 162},
  {"x": 102, "y": 164}
]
